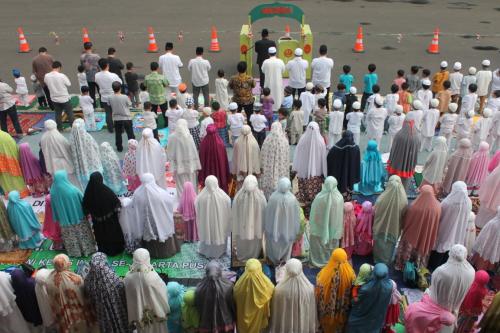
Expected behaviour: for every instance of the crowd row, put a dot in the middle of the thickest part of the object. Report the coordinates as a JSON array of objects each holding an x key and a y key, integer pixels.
[{"x": 60, "y": 300}]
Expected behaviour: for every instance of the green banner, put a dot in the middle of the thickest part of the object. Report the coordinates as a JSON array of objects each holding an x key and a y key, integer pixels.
[
  {"x": 276, "y": 9},
  {"x": 187, "y": 264}
]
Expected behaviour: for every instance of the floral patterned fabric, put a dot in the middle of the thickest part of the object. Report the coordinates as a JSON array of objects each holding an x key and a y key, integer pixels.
[
  {"x": 333, "y": 292},
  {"x": 84, "y": 152},
  {"x": 106, "y": 294},
  {"x": 129, "y": 163},
  {"x": 308, "y": 188},
  {"x": 274, "y": 159},
  {"x": 78, "y": 239},
  {"x": 242, "y": 85},
  {"x": 67, "y": 300},
  {"x": 112, "y": 172}
]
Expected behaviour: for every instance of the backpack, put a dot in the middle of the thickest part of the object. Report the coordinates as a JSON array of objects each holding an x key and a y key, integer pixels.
[
  {"x": 410, "y": 275},
  {"x": 423, "y": 278}
]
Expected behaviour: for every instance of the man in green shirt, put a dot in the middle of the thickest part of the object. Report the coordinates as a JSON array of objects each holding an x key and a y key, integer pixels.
[{"x": 155, "y": 84}]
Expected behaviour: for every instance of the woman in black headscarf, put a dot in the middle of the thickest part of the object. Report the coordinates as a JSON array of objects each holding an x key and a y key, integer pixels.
[
  {"x": 24, "y": 288},
  {"x": 404, "y": 153},
  {"x": 214, "y": 301},
  {"x": 344, "y": 160},
  {"x": 104, "y": 206}
]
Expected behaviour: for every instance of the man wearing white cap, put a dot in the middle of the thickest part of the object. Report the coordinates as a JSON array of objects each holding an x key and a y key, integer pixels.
[
  {"x": 468, "y": 80},
  {"x": 483, "y": 78},
  {"x": 354, "y": 120},
  {"x": 448, "y": 121},
  {"x": 395, "y": 122},
  {"x": 429, "y": 122},
  {"x": 273, "y": 69},
  {"x": 261, "y": 48},
  {"x": 375, "y": 119},
  {"x": 308, "y": 103},
  {"x": 321, "y": 68},
  {"x": 455, "y": 81},
  {"x": 439, "y": 78},
  {"x": 424, "y": 95},
  {"x": 335, "y": 125},
  {"x": 297, "y": 73},
  {"x": 350, "y": 98},
  {"x": 416, "y": 114}
]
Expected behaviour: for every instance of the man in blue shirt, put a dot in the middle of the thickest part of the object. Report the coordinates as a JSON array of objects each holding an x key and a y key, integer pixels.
[{"x": 369, "y": 81}]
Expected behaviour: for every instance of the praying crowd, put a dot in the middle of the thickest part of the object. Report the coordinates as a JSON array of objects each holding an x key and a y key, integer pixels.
[{"x": 275, "y": 179}]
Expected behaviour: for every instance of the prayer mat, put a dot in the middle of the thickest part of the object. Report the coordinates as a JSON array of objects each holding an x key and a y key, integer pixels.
[
  {"x": 26, "y": 120},
  {"x": 31, "y": 102},
  {"x": 163, "y": 135},
  {"x": 187, "y": 264},
  {"x": 15, "y": 257}
]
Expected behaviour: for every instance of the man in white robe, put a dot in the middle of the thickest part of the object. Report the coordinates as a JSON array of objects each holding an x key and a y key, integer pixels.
[
  {"x": 375, "y": 119},
  {"x": 273, "y": 69}
]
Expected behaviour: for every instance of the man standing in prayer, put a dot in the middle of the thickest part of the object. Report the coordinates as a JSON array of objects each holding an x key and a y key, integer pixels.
[
  {"x": 89, "y": 60},
  {"x": 456, "y": 80},
  {"x": 58, "y": 84},
  {"x": 273, "y": 69},
  {"x": 104, "y": 80},
  {"x": 483, "y": 78},
  {"x": 115, "y": 65},
  {"x": 439, "y": 78},
  {"x": 261, "y": 48},
  {"x": 242, "y": 85},
  {"x": 321, "y": 71},
  {"x": 297, "y": 72},
  {"x": 169, "y": 65},
  {"x": 199, "y": 68},
  {"x": 42, "y": 64}
]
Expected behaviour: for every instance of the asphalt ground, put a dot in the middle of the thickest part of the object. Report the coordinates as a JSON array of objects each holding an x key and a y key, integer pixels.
[{"x": 397, "y": 33}]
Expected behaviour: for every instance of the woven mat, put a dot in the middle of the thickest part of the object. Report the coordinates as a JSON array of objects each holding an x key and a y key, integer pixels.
[
  {"x": 15, "y": 257},
  {"x": 26, "y": 120}
]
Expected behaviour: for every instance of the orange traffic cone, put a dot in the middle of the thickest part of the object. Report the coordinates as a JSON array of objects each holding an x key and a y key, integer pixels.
[
  {"x": 85, "y": 36},
  {"x": 358, "y": 45},
  {"x": 24, "y": 47},
  {"x": 214, "y": 42},
  {"x": 434, "y": 45},
  {"x": 152, "y": 47}
]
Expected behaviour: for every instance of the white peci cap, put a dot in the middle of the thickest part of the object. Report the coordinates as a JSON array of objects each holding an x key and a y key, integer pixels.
[
  {"x": 472, "y": 70},
  {"x": 379, "y": 100},
  {"x": 457, "y": 66},
  {"x": 353, "y": 90},
  {"x": 417, "y": 105},
  {"x": 233, "y": 106},
  {"x": 298, "y": 52},
  {"x": 399, "y": 109},
  {"x": 271, "y": 50},
  {"x": 453, "y": 107},
  {"x": 443, "y": 64},
  {"x": 487, "y": 112},
  {"x": 426, "y": 82},
  {"x": 356, "y": 105},
  {"x": 309, "y": 86},
  {"x": 337, "y": 104},
  {"x": 486, "y": 62},
  {"x": 434, "y": 102}
]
